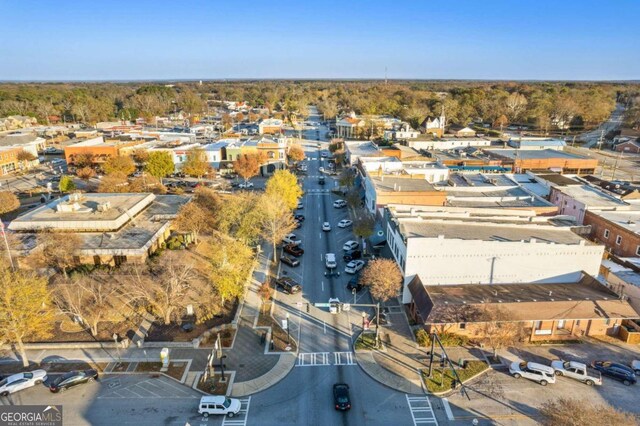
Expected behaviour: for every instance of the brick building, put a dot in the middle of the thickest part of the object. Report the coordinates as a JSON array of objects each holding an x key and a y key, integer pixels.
[
  {"x": 544, "y": 160},
  {"x": 617, "y": 230}
]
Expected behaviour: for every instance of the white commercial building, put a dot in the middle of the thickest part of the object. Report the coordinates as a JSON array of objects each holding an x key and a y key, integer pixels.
[
  {"x": 448, "y": 143},
  {"x": 445, "y": 247}
]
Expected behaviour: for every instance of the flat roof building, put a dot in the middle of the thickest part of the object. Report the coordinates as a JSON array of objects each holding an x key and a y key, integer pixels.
[{"x": 545, "y": 160}]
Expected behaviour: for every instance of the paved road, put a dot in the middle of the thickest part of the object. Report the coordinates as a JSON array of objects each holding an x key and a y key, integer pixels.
[
  {"x": 325, "y": 357},
  {"x": 591, "y": 138}
]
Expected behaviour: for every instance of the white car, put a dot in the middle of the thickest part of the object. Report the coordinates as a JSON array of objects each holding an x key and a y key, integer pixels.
[
  {"x": 345, "y": 223},
  {"x": 300, "y": 205},
  {"x": 218, "y": 404},
  {"x": 330, "y": 260},
  {"x": 333, "y": 308},
  {"x": 540, "y": 373},
  {"x": 321, "y": 169},
  {"x": 326, "y": 226},
  {"x": 246, "y": 185},
  {"x": 354, "y": 266},
  {"x": 350, "y": 245},
  {"x": 17, "y": 382},
  {"x": 578, "y": 371},
  {"x": 292, "y": 239},
  {"x": 338, "y": 204}
]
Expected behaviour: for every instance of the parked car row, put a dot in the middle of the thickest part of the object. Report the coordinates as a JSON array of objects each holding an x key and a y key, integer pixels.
[
  {"x": 588, "y": 374},
  {"x": 20, "y": 381}
]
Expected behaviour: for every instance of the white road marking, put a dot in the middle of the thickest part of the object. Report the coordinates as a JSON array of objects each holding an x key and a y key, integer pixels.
[
  {"x": 322, "y": 282},
  {"x": 243, "y": 414},
  {"x": 312, "y": 359},
  {"x": 421, "y": 410},
  {"x": 447, "y": 409},
  {"x": 343, "y": 358},
  {"x": 324, "y": 324}
]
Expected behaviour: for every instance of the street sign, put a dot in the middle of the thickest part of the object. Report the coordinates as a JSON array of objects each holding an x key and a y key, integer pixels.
[
  {"x": 285, "y": 324},
  {"x": 322, "y": 305},
  {"x": 346, "y": 307}
]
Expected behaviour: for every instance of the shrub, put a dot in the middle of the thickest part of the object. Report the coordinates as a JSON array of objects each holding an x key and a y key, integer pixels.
[
  {"x": 422, "y": 338},
  {"x": 447, "y": 339},
  {"x": 177, "y": 242}
]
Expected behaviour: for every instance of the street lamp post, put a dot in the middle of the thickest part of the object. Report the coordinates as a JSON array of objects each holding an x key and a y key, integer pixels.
[
  {"x": 364, "y": 315},
  {"x": 288, "y": 334},
  {"x": 222, "y": 358}
]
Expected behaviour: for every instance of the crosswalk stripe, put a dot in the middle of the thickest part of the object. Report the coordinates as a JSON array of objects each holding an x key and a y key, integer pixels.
[{"x": 420, "y": 413}]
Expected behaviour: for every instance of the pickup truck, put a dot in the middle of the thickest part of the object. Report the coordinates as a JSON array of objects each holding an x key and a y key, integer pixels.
[
  {"x": 578, "y": 371},
  {"x": 292, "y": 239}
]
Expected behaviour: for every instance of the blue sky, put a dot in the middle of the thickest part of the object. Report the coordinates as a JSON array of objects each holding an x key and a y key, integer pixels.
[{"x": 139, "y": 39}]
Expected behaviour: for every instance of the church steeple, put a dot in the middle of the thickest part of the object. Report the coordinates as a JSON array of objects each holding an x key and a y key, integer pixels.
[{"x": 442, "y": 119}]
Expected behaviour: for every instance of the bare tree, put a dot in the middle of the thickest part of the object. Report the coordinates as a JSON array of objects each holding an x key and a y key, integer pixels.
[
  {"x": 91, "y": 299},
  {"x": 56, "y": 250},
  {"x": 383, "y": 278},
  {"x": 566, "y": 411},
  {"x": 8, "y": 202},
  {"x": 516, "y": 103},
  {"x": 497, "y": 328}
]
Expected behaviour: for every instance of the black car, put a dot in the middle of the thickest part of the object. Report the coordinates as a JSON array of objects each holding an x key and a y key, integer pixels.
[
  {"x": 299, "y": 217},
  {"x": 616, "y": 371},
  {"x": 350, "y": 255},
  {"x": 293, "y": 249},
  {"x": 341, "y": 398},
  {"x": 288, "y": 285},
  {"x": 353, "y": 283},
  {"x": 321, "y": 180},
  {"x": 288, "y": 260},
  {"x": 71, "y": 379}
]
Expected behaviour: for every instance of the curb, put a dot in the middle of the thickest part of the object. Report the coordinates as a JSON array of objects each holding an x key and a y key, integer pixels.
[
  {"x": 375, "y": 377},
  {"x": 452, "y": 391},
  {"x": 264, "y": 382}
]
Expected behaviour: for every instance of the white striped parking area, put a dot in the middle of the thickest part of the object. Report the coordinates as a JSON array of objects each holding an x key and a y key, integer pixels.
[
  {"x": 421, "y": 410},
  {"x": 239, "y": 419}
]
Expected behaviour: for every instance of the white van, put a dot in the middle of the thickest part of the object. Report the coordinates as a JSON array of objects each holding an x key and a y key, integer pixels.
[
  {"x": 218, "y": 404},
  {"x": 330, "y": 260}
]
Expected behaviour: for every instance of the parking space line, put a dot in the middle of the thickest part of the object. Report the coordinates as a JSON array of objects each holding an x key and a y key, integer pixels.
[
  {"x": 146, "y": 390},
  {"x": 176, "y": 388},
  {"x": 447, "y": 409}
]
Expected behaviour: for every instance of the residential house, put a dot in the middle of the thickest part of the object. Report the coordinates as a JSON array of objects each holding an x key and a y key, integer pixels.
[
  {"x": 434, "y": 126},
  {"x": 403, "y": 131},
  {"x": 461, "y": 131},
  {"x": 15, "y": 122},
  {"x": 630, "y": 146}
]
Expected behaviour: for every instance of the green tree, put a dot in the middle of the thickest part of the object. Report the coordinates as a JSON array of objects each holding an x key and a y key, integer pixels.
[
  {"x": 8, "y": 202},
  {"x": 67, "y": 184},
  {"x": 159, "y": 164},
  {"x": 284, "y": 185},
  {"x": 25, "y": 311},
  {"x": 196, "y": 164},
  {"x": 276, "y": 220},
  {"x": 121, "y": 164},
  {"x": 232, "y": 262},
  {"x": 363, "y": 224}
]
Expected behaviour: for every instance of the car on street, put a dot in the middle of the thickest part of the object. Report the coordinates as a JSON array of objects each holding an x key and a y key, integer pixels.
[
  {"x": 351, "y": 255},
  {"x": 324, "y": 155},
  {"x": 341, "y": 398},
  {"x": 288, "y": 260},
  {"x": 293, "y": 249},
  {"x": 350, "y": 245},
  {"x": 354, "y": 266},
  {"x": 321, "y": 169},
  {"x": 288, "y": 285},
  {"x": 338, "y": 204},
  {"x": 20, "y": 381},
  {"x": 540, "y": 373},
  {"x": 333, "y": 305},
  {"x": 71, "y": 379},
  {"x": 299, "y": 217},
  {"x": 577, "y": 370},
  {"x": 326, "y": 226},
  {"x": 219, "y": 404},
  {"x": 300, "y": 205},
  {"x": 292, "y": 239},
  {"x": 321, "y": 180},
  {"x": 616, "y": 371},
  {"x": 345, "y": 223},
  {"x": 354, "y": 283},
  {"x": 298, "y": 224},
  {"x": 330, "y": 260},
  {"x": 245, "y": 185}
]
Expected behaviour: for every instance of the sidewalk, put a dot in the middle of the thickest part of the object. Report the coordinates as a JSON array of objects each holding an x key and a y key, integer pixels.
[{"x": 254, "y": 369}]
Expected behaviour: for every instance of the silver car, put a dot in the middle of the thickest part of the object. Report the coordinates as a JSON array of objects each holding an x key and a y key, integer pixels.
[{"x": 17, "y": 382}]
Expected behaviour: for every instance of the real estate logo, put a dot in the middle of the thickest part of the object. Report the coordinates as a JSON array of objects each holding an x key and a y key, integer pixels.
[{"x": 31, "y": 415}]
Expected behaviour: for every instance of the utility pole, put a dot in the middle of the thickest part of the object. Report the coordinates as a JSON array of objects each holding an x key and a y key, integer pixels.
[
  {"x": 600, "y": 140},
  {"x": 6, "y": 243}
]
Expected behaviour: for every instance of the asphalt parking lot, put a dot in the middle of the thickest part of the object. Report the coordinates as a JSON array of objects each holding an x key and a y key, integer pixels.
[{"x": 131, "y": 399}]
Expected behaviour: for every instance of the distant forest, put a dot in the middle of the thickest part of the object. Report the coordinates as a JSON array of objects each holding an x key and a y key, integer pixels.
[{"x": 539, "y": 104}]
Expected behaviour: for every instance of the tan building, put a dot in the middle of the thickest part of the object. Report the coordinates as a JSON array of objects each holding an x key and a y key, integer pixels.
[
  {"x": 408, "y": 190},
  {"x": 99, "y": 149},
  {"x": 562, "y": 311},
  {"x": 545, "y": 160}
]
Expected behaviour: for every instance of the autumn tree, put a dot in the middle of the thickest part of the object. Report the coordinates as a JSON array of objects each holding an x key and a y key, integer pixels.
[
  {"x": 25, "y": 308},
  {"x": 363, "y": 224},
  {"x": 121, "y": 164},
  {"x": 56, "y": 250},
  {"x": 85, "y": 173},
  {"x": 140, "y": 156},
  {"x": 239, "y": 216},
  {"x": 232, "y": 262},
  {"x": 196, "y": 164},
  {"x": 276, "y": 220},
  {"x": 284, "y": 185},
  {"x": 497, "y": 328},
  {"x": 147, "y": 183},
  {"x": 194, "y": 219},
  {"x": 8, "y": 202},
  {"x": 383, "y": 278},
  {"x": 296, "y": 153},
  {"x": 248, "y": 165},
  {"x": 500, "y": 122},
  {"x": 66, "y": 184},
  {"x": 25, "y": 157},
  {"x": 566, "y": 411},
  {"x": 347, "y": 177},
  {"x": 159, "y": 164},
  {"x": 90, "y": 299},
  {"x": 83, "y": 160},
  {"x": 116, "y": 182},
  {"x": 516, "y": 104}
]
